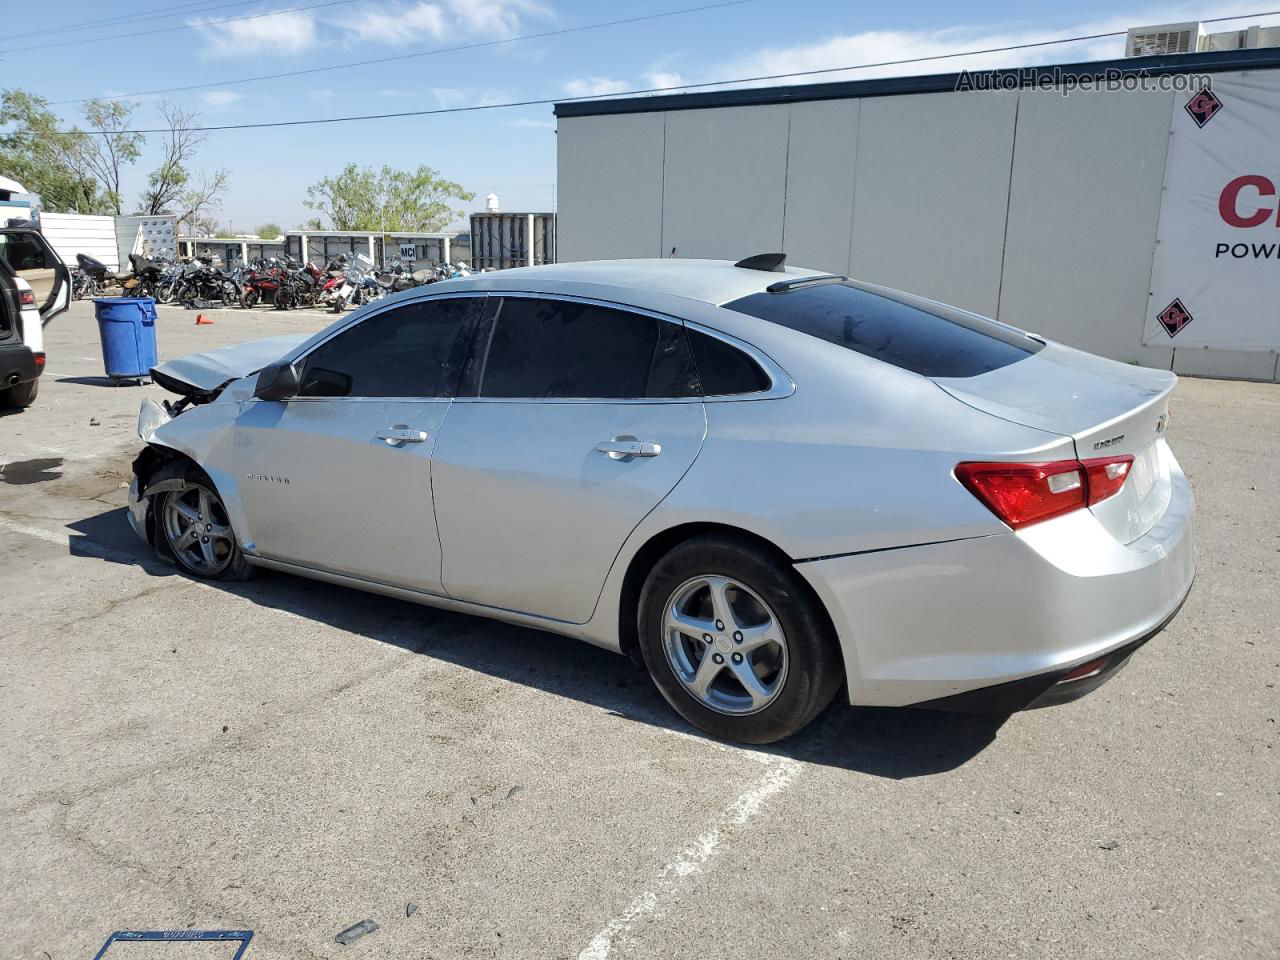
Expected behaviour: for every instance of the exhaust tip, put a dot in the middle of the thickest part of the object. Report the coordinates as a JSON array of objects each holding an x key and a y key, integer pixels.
[{"x": 13, "y": 379}]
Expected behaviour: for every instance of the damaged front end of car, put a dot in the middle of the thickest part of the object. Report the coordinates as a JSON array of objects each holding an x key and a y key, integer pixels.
[{"x": 174, "y": 449}]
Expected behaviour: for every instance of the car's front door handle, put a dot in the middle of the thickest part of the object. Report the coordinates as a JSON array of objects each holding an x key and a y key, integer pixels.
[
  {"x": 399, "y": 434},
  {"x": 622, "y": 447}
]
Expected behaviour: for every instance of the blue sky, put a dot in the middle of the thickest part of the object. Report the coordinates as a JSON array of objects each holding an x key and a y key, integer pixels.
[{"x": 508, "y": 151}]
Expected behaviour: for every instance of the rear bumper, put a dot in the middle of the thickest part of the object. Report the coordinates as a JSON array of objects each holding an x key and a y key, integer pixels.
[
  {"x": 994, "y": 623},
  {"x": 17, "y": 364},
  {"x": 1048, "y": 689}
]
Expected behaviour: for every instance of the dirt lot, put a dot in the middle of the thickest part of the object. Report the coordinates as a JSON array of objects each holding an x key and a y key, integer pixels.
[{"x": 293, "y": 758}]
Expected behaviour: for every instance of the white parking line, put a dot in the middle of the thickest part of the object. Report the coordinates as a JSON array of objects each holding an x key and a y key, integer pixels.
[{"x": 693, "y": 858}]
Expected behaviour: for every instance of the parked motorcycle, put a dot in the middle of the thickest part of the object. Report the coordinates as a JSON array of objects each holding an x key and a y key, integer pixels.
[
  {"x": 142, "y": 281},
  {"x": 261, "y": 281},
  {"x": 298, "y": 287},
  {"x": 351, "y": 289},
  {"x": 90, "y": 277}
]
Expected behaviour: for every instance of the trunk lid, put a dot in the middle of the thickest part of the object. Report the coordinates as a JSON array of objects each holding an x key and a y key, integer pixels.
[
  {"x": 1107, "y": 408},
  {"x": 206, "y": 373}
]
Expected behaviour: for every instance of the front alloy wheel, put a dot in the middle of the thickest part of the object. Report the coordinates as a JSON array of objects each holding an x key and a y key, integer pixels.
[{"x": 198, "y": 532}]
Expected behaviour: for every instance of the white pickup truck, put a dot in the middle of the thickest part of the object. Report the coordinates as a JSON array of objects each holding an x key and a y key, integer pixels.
[{"x": 35, "y": 286}]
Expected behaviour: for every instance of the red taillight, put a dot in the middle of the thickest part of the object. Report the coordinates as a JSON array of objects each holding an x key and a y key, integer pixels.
[
  {"x": 27, "y": 298},
  {"x": 39, "y": 359},
  {"x": 1021, "y": 494},
  {"x": 1106, "y": 476}
]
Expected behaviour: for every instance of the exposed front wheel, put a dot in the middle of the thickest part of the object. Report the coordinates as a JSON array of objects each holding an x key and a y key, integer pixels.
[
  {"x": 734, "y": 641},
  {"x": 197, "y": 530}
]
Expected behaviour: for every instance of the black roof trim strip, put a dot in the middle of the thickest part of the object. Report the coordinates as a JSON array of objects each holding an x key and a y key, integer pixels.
[{"x": 1212, "y": 62}]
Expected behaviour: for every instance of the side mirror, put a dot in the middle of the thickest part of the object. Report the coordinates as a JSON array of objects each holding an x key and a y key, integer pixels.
[{"x": 279, "y": 381}]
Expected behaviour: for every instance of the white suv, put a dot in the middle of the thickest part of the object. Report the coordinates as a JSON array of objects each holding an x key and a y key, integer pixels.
[{"x": 35, "y": 286}]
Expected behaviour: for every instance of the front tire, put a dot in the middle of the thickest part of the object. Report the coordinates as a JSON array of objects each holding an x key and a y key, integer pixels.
[
  {"x": 735, "y": 642},
  {"x": 196, "y": 530}
]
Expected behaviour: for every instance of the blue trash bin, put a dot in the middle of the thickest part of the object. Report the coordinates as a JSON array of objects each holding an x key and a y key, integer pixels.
[{"x": 127, "y": 328}]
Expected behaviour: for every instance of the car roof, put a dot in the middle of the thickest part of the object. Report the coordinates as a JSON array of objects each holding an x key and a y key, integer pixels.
[{"x": 708, "y": 281}]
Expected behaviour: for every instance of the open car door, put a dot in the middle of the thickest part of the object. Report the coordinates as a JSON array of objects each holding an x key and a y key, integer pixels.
[{"x": 28, "y": 255}]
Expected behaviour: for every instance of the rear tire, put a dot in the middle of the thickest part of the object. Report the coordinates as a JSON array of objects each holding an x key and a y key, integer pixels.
[
  {"x": 196, "y": 531},
  {"x": 772, "y": 663},
  {"x": 21, "y": 395}
]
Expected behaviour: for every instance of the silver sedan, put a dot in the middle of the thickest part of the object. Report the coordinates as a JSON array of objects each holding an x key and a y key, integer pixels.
[{"x": 767, "y": 484}]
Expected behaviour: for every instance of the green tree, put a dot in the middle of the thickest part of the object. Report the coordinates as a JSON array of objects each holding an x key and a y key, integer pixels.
[
  {"x": 44, "y": 158},
  {"x": 269, "y": 231},
  {"x": 387, "y": 200},
  {"x": 111, "y": 145}
]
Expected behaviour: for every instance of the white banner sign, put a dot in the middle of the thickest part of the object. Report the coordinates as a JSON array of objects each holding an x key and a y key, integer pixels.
[{"x": 1215, "y": 281}]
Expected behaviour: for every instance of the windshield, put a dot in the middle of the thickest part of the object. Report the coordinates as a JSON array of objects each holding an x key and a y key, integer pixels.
[{"x": 925, "y": 343}]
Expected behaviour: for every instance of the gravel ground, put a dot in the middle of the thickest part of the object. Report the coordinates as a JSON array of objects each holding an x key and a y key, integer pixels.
[{"x": 294, "y": 758}]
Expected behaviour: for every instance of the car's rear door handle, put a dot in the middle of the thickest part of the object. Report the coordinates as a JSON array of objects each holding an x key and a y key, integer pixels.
[
  {"x": 621, "y": 447},
  {"x": 399, "y": 434}
]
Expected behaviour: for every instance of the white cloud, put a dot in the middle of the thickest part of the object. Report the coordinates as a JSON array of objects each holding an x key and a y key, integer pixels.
[
  {"x": 468, "y": 96},
  {"x": 219, "y": 99},
  {"x": 663, "y": 78},
  {"x": 594, "y": 86},
  {"x": 398, "y": 25},
  {"x": 495, "y": 18},
  {"x": 281, "y": 33},
  {"x": 878, "y": 46},
  {"x": 530, "y": 123}
]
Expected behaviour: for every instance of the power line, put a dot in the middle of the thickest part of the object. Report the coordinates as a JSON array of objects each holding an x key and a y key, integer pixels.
[
  {"x": 425, "y": 53},
  {"x": 185, "y": 26},
  {"x": 121, "y": 19},
  {"x": 545, "y": 101}
]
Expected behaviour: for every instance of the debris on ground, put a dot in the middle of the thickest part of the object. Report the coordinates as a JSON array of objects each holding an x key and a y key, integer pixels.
[
  {"x": 94, "y": 422},
  {"x": 410, "y": 909},
  {"x": 1109, "y": 845},
  {"x": 355, "y": 932},
  {"x": 514, "y": 790}
]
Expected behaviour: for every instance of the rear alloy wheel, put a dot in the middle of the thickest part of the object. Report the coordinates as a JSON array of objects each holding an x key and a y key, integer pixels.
[
  {"x": 197, "y": 531},
  {"x": 734, "y": 642}
]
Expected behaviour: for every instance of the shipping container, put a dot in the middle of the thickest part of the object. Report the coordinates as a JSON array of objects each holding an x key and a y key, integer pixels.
[{"x": 502, "y": 240}]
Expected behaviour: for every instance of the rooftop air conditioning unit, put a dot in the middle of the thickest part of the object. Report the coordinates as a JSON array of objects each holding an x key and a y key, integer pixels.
[{"x": 1163, "y": 38}]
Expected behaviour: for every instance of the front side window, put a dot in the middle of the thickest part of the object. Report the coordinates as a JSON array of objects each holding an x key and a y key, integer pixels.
[
  {"x": 545, "y": 349},
  {"x": 925, "y": 343},
  {"x": 410, "y": 351}
]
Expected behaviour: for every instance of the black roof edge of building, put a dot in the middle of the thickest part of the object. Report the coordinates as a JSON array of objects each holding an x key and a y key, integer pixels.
[{"x": 981, "y": 80}]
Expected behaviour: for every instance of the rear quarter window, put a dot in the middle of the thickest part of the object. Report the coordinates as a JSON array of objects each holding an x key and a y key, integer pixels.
[{"x": 907, "y": 337}]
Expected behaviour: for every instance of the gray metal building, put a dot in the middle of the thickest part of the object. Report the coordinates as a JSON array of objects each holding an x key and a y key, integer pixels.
[{"x": 1021, "y": 204}]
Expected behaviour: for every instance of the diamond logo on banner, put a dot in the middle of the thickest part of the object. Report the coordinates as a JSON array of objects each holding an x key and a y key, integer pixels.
[
  {"x": 1173, "y": 318},
  {"x": 1203, "y": 107}
]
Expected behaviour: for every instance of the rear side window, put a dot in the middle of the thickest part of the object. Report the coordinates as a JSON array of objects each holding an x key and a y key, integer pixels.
[
  {"x": 901, "y": 335},
  {"x": 546, "y": 349},
  {"x": 723, "y": 369}
]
